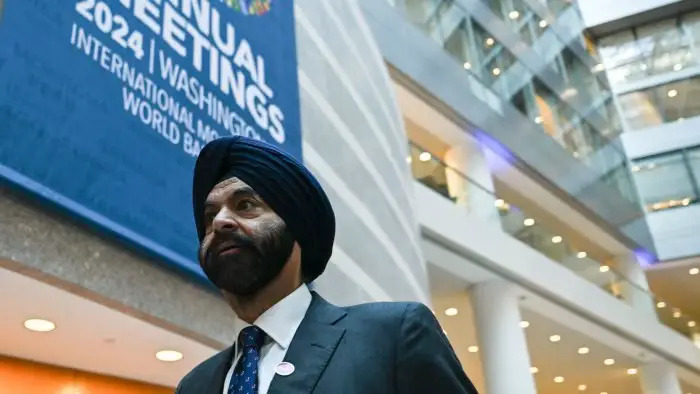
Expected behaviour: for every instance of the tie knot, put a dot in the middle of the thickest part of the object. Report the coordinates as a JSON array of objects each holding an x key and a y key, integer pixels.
[{"x": 251, "y": 336}]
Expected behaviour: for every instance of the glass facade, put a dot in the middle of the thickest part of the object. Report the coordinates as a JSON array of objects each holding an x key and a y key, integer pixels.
[
  {"x": 665, "y": 46},
  {"x": 567, "y": 97},
  {"x": 669, "y": 180},
  {"x": 666, "y": 54},
  {"x": 666, "y": 103}
]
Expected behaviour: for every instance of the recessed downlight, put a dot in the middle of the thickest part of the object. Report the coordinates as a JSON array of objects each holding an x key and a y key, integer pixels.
[
  {"x": 661, "y": 304},
  {"x": 473, "y": 349},
  {"x": 529, "y": 222},
  {"x": 39, "y": 325},
  {"x": 556, "y": 239},
  {"x": 583, "y": 350},
  {"x": 534, "y": 370},
  {"x": 609, "y": 361},
  {"x": 169, "y": 355},
  {"x": 694, "y": 271},
  {"x": 425, "y": 156},
  {"x": 582, "y": 387},
  {"x": 524, "y": 324},
  {"x": 632, "y": 371},
  {"x": 554, "y": 338},
  {"x": 672, "y": 93},
  {"x": 692, "y": 323},
  {"x": 559, "y": 379},
  {"x": 604, "y": 268},
  {"x": 581, "y": 255},
  {"x": 514, "y": 15},
  {"x": 543, "y": 24},
  {"x": 451, "y": 311}
]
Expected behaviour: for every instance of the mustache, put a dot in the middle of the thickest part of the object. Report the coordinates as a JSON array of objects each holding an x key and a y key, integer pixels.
[{"x": 225, "y": 241}]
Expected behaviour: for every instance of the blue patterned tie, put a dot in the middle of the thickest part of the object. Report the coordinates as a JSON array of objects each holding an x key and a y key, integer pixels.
[{"x": 245, "y": 379}]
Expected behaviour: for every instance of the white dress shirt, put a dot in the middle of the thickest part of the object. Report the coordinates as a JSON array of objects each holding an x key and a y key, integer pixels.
[{"x": 279, "y": 323}]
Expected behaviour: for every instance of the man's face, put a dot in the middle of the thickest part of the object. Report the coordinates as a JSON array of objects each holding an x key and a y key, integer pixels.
[{"x": 246, "y": 244}]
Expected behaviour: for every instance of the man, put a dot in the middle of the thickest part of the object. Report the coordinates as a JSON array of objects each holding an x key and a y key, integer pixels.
[{"x": 266, "y": 229}]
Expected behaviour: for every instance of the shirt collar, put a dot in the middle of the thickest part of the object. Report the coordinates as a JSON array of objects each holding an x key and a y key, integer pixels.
[{"x": 280, "y": 322}]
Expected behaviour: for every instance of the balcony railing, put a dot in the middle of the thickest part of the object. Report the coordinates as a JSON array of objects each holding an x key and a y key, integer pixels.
[{"x": 538, "y": 233}]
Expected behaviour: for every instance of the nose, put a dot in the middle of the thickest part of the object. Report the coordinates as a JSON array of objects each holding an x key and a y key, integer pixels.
[{"x": 224, "y": 222}]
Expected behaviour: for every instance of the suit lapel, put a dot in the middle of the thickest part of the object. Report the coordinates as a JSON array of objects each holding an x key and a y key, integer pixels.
[
  {"x": 220, "y": 367},
  {"x": 311, "y": 349}
]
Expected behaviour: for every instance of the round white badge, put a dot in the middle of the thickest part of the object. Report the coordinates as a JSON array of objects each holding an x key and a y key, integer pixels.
[{"x": 284, "y": 368}]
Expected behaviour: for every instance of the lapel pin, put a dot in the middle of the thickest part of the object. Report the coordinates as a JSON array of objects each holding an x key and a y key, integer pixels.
[{"x": 284, "y": 368}]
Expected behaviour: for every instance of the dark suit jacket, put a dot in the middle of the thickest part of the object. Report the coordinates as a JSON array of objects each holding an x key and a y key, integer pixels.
[{"x": 377, "y": 348}]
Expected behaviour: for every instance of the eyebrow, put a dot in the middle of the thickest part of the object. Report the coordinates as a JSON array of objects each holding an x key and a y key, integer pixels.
[{"x": 241, "y": 191}]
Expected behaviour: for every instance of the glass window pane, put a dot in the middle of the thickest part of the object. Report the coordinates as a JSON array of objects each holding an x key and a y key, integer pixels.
[
  {"x": 662, "y": 180},
  {"x": 641, "y": 109},
  {"x": 693, "y": 156}
]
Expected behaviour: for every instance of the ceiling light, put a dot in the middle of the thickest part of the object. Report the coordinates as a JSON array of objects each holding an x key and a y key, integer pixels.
[
  {"x": 554, "y": 338},
  {"x": 694, "y": 271},
  {"x": 598, "y": 67},
  {"x": 677, "y": 314},
  {"x": 451, "y": 311},
  {"x": 529, "y": 222},
  {"x": 632, "y": 371},
  {"x": 583, "y": 350},
  {"x": 473, "y": 349},
  {"x": 467, "y": 66},
  {"x": 604, "y": 268},
  {"x": 169, "y": 355},
  {"x": 534, "y": 370},
  {"x": 635, "y": 168},
  {"x": 581, "y": 255},
  {"x": 514, "y": 15},
  {"x": 409, "y": 159},
  {"x": 603, "y": 392},
  {"x": 559, "y": 379},
  {"x": 39, "y": 325},
  {"x": 691, "y": 324},
  {"x": 582, "y": 387},
  {"x": 524, "y": 324},
  {"x": 425, "y": 156},
  {"x": 686, "y": 202},
  {"x": 538, "y": 119},
  {"x": 496, "y": 71},
  {"x": 490, "y": 41},
  {"x": 661, "y": 304},
  {"x": 543, "y": 24},
  {"x": 677, "y": 67},
  {"x": 609, "y": 361},
  {"x": 672, "y": 93},
  {"x": 499, "y": 203},
  {"x": 643, "y": 67},
  {"x": 556, "y": 239}
]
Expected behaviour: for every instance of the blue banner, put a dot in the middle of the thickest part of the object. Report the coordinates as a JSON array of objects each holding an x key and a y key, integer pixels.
[{"x": 105, "y": 104}]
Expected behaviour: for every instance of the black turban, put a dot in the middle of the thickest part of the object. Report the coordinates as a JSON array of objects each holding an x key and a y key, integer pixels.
[{"x": 282, "y": 182}]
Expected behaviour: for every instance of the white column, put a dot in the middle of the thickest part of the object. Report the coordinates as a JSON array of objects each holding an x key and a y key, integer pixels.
[
  {"x": 469, "y": 160},
  {"x": 634, "y": 286},
  {"x": 503, "y": 347},
  {"x": 659, "y": 378}
]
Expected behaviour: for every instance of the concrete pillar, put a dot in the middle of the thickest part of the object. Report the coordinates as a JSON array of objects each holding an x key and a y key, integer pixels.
[
  {"x": 476, "y": 192},
  {"x": 659, "y": 378},
  {"x": 503, "y": 348},
  {"x": 634, "y": 286}
]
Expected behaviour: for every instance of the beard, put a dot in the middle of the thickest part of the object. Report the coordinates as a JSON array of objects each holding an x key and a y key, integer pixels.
[{"x": 258, "y": 261}]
